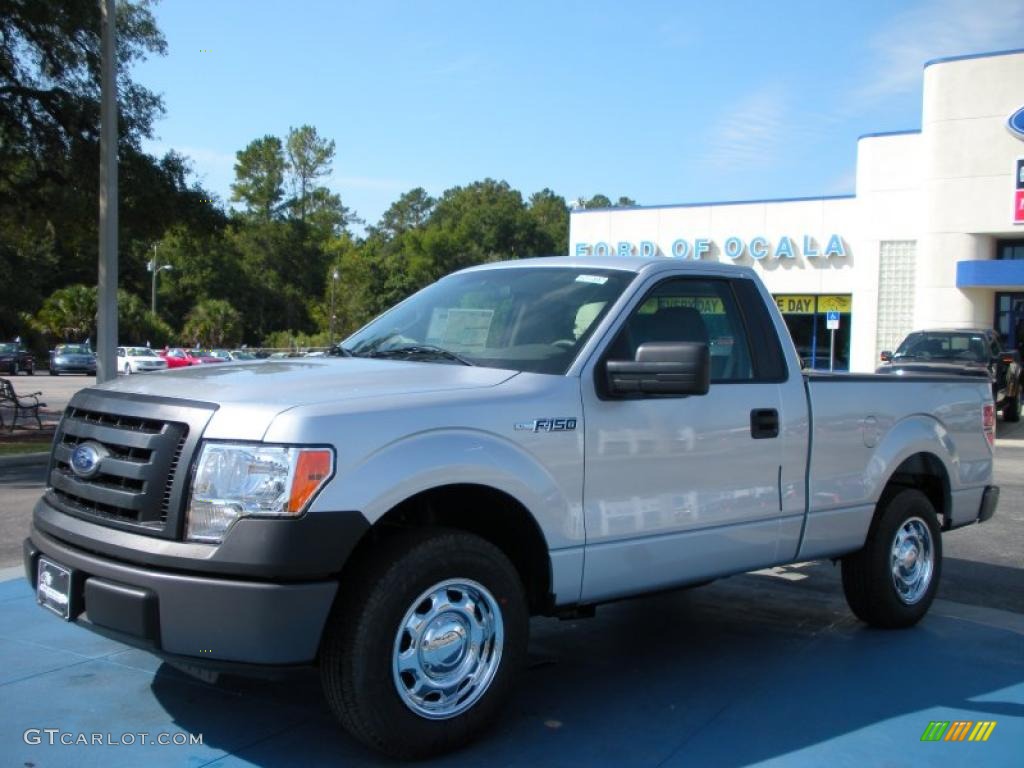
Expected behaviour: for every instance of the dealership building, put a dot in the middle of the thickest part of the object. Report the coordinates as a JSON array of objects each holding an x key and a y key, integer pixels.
[{"x": 933, "y": 237}]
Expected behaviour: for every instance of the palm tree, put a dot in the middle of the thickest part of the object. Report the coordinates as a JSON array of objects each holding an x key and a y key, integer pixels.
[{"x": 212, "y": 323}]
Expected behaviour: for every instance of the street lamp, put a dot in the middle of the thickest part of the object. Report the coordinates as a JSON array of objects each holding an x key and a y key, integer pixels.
[
  {"x": 334, "y": 282},
  {"x": 152, "y": 267}
]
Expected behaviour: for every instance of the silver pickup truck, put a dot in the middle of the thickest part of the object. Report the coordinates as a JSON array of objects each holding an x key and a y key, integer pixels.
[{"x": 517, "y": 439}]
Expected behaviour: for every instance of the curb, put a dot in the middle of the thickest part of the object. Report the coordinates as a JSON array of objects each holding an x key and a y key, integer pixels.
[{"x": 25, "y": 460}]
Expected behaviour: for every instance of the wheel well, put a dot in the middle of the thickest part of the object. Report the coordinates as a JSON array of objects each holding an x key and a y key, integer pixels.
[
  {"x": 486, "y": 512},
  {"x": 926, "y": 473}
]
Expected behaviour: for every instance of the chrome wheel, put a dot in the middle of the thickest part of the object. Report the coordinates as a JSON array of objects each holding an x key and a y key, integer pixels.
[
  {"x": 448, "y": 649},
  {"x": 912, "y": 560}
]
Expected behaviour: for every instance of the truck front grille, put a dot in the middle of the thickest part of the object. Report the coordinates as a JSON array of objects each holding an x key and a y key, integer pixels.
[{"x": 142, "y": 479}]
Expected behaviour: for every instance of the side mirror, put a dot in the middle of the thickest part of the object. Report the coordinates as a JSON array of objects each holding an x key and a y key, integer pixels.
[
  {"x": 886, "y": 356},
  {"x": 662, "y": 368}
]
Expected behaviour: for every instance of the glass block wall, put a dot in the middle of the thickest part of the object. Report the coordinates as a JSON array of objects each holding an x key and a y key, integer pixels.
[{"x": 896, "y": 269}]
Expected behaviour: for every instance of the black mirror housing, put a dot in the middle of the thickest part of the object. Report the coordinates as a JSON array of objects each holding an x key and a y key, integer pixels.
[
  {"x": 886, "y": 356},
  {"x": 662, "y": 368}
]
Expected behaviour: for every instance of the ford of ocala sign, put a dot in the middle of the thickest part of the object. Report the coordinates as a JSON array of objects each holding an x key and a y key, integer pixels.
[
  {"x": 757, "y": 248},
  {"x": 1016, "y": 123}
]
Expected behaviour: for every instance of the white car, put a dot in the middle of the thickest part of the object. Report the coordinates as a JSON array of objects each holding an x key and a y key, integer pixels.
[{"x": 139, "y": 360}]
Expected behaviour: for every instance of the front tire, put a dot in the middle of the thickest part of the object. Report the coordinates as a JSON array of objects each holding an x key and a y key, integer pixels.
[
  {"x": 421, "y": 651},
  {"x": 891, "y": 582}
]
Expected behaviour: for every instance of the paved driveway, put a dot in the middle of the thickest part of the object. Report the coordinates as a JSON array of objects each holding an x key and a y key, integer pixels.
[{"x": 757, "y": 669}]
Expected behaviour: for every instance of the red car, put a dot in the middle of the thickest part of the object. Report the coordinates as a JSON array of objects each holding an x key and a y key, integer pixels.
[{"x": 177, "y": 357}]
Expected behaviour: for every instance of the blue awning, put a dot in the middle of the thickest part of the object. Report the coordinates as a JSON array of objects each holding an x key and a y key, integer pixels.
[{"x": 999, "y": 273}]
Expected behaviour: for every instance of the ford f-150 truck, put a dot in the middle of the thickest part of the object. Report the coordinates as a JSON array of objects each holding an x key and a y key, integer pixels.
[{"x": 526, "y": 438}]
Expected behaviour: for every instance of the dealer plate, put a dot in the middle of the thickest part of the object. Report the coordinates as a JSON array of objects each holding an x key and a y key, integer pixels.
[{"x": 53, "y": 588}]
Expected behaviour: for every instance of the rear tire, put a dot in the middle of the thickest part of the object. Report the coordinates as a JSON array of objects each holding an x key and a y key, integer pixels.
[
  {"x": 891, "y": 582},
  {"x": 1011, "y": 411},
  {"x": 54, "y": 373},
  {"x": 429, "y": 613}
]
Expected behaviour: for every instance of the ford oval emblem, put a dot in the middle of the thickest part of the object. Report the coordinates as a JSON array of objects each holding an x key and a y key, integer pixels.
[
  {"x": 1016, "y": 123},
  {"x": 86, "y": 459}
]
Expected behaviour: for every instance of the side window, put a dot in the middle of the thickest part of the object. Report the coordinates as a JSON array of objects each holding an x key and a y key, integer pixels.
[{"x": 691, "y": 309}]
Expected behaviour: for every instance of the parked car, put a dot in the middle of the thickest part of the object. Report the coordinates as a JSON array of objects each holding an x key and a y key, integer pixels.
[
  {"x": 231, "y": 355},
  {"x": 72, "y": 358},
  {"x": 139, "y": 360},
  {"x": 968, "y": 352},
  {"x": 14, "y": 358},
  {"x": 534, "y": 437},
  {"x": 179, "y": 357}
]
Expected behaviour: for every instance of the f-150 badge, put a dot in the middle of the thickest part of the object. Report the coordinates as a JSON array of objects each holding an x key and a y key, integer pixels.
[{"x": 546, "y": 425}]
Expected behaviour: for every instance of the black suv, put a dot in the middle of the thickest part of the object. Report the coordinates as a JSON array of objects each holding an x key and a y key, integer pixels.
[
  {"x": 14, "y": 357},
  {"x": 970, "y": 352}
]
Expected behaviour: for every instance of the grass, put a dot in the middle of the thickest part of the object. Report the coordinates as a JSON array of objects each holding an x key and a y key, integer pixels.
[{"x": 14, "y": 449}]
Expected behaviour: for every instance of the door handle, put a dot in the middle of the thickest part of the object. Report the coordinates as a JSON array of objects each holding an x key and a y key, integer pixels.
[{"x": 764, "y": 423}]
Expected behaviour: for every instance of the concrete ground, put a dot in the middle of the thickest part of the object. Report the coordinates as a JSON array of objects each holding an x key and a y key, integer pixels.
[{"x": 761, "y": 669}]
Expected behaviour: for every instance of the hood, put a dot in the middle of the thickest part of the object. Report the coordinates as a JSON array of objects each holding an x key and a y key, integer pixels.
[
  {"x": 935, "y": 368},
  {"x": 250, "y": 394}
]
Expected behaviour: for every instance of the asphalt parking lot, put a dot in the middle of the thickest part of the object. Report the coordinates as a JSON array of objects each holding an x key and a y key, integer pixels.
[{"x": 760, "y": 669}]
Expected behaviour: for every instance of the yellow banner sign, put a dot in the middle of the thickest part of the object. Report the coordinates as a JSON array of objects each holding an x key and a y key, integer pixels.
[
  {"x": 796, "y": 305},
  {"x": 808, "y": 305},
  {"x": 835, "y": 303}
]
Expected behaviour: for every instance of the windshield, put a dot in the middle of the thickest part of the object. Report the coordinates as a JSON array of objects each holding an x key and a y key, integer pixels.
[
  {"x": 6, "y": 347},
  {"x": 141, "y": 352},
  {"x": 73, "y": 349},
  {"x": 521, "y": 318},
  {"x": 969, "y": 347}
]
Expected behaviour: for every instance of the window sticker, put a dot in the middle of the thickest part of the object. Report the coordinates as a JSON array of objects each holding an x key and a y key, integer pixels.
[
  {"x": 595, "y": 279},
  {"x": 465, "y": 329}
]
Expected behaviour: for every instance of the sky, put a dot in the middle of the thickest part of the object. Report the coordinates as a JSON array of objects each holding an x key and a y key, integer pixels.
[{"x": 663, "y": 102}]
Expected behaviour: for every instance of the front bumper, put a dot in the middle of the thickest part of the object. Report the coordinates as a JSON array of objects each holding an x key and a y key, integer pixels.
[
  {"x": 262, "y": 597},
  {"x": 186, "y": 615}
]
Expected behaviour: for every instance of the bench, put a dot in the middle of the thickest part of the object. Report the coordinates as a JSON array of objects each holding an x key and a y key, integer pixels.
[{"x": 21, "y": 404}]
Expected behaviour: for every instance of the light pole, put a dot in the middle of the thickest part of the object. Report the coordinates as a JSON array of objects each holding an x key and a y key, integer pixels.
[
  {"x": 334, "y": 283},
  {"x": 106, "y": 300},
  {"x": 152, "y": 267}
]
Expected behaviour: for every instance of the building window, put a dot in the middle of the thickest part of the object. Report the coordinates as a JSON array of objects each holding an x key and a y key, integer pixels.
[
  {"x": 896, "y": 263},
  {"x": 1010, "y": 250}
]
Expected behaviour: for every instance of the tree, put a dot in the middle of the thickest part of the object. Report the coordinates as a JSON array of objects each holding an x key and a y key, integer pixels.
[
  {"x": 551, "y": 215},
  {"x": 409, "y": 211},
  {"x": 309, "y": 159},
  {"x": 212, "y": 323},
  {"x": 49, "y": 152},
  {"x": 603, "y": 201},
  {"x": 69, "y": 314},
  {"x": 259, "y": 177}
]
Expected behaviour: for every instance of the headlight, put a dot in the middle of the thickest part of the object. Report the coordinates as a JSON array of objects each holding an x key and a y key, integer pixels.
[{"x": 236, "y": 480}]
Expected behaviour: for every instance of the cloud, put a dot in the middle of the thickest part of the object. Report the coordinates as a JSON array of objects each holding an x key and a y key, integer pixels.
[
  {"x": 753, "y": 133},
  {"x": 933, "y": 30}
]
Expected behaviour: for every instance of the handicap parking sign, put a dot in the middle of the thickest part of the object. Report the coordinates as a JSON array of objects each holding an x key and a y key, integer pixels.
[{"x": 832, "y": 321}]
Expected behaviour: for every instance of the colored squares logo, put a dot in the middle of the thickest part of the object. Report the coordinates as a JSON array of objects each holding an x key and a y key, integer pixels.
[{"x": 958, "y": 730}]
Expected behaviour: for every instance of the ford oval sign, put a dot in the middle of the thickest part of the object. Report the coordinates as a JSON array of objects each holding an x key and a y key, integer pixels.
[
  {"x": 1016, "y": 123},
  {"x": 86, "y": 459}
]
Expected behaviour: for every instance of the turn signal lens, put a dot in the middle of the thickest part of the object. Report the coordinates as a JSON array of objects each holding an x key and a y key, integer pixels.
[
  {"x": 988, "y": 422},
  {"x": 311, "y": 472}
]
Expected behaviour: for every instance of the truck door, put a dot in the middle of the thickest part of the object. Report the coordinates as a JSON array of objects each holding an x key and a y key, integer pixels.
[{"x": 681, "y": 489}]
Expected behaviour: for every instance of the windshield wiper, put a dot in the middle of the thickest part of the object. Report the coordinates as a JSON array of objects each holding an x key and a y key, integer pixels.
[
  {"x": 419, "y": 350},
  {"x": 339, "y": 351}
]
